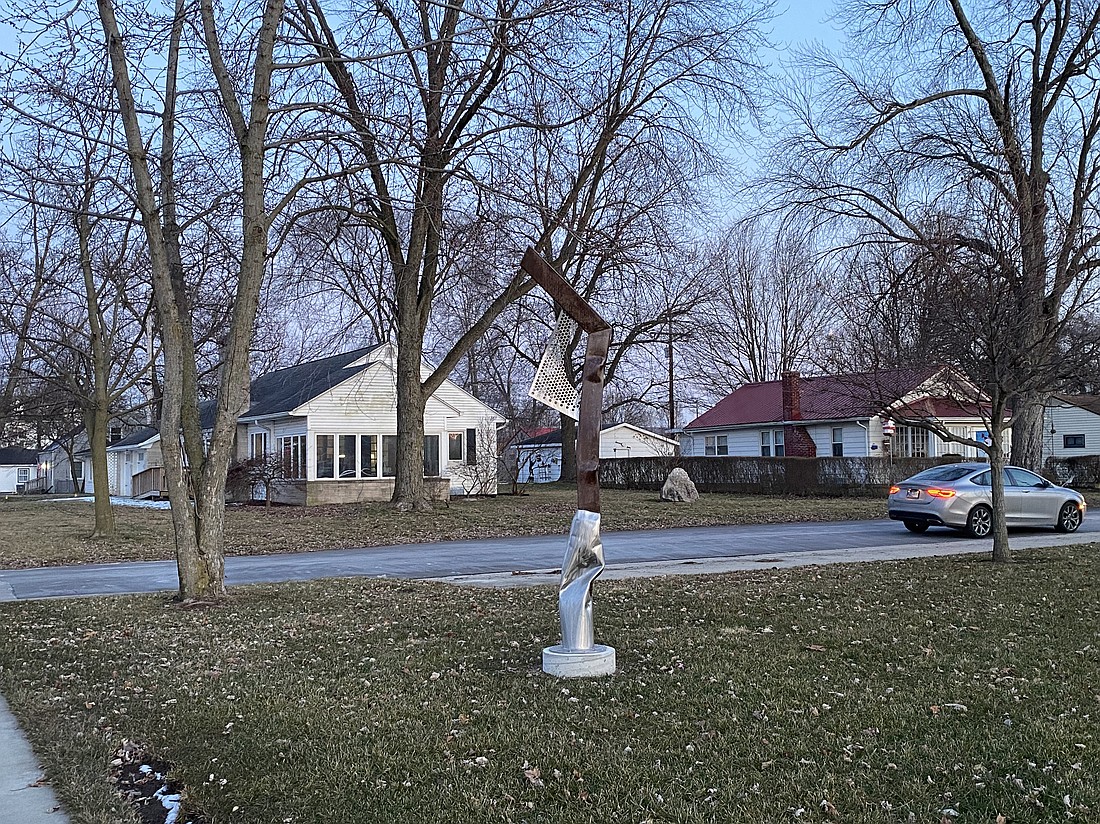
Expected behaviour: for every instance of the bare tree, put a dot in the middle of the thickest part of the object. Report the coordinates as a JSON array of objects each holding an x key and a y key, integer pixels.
[
  {"x": 508, "y": 117},
  {"x": 987, "y": 108},
  {"x": 769, "y": 302}
]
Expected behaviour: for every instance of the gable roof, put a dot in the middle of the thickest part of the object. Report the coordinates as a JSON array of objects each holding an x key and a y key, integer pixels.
[
  {"x": 823, "y": 398},
  {"x": 1090, "y": 403},
  {"x": 17, "y": 456},
  {"x": 135, "y": 438},
  {"x": 286, "y": 389}
]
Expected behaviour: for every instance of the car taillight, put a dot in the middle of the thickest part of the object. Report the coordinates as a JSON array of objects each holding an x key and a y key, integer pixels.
[
  {"x": 941, "y": 493},
  {"x": 894, "y": 489}
]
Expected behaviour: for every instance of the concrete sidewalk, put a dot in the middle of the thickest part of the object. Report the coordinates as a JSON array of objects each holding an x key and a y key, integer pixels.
[{"x": 25, "y": 798}]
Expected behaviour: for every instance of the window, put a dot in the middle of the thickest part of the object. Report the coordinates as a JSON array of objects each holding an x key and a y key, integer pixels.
[
  {"x": 78, "y": 470},
  {"x": 368, "y": 456},
  {"x": 345, "y": 456},
  {"x": 293, "y": 451},
  {"x": 389, "y": 456},
  {"x": 716, "y": 445},
  {"x": 1073, "y": 441},
  {"x": 431, "y": 456},
  {"x": 471, "y": 447},
  {"x": 765, "y": 444},
  {"x": 910, "y": 442},
  {"x": 258, "y": 444},
  {"x": 326, "y": 453},
  {"x": 455, "y": 446},
  {"x": 777, "y": 439},
  {"x": 23, "y": 474},
  {"x": 1021, "y": 477},
  {"x": 838, "y": 442},
  {"x": 984, "y": 479},
  {"x": 114, "y": 434}
]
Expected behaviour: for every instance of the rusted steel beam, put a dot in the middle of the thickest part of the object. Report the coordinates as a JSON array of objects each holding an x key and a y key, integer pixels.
[
  {"x": 562, "y": 292},
  {"x": 588, "y": 428}
]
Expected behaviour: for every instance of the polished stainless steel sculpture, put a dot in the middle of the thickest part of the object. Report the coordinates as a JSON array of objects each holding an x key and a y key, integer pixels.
[
  {"x": 578, "y": 655},
  {"x": 582, "y": 565}
]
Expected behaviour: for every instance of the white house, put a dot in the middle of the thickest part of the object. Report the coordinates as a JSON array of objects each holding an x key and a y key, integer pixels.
[
  {"x": 17, "y": 467},
  {"x": 1071, "y": 426},
  {"x": 837, "y": 415},
  {"x": 538, "y": 459},
  {"x": 331, "y": 426}
]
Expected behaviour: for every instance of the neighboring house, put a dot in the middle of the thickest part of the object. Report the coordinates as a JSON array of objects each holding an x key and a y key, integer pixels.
[
  {"x": 330, "y": 427},
  {"x": 18, "y": 466},
  {"x": 1072, "y": 426},
  {"x": 538, "y": 458},
  {"x": 837, "y": 415},
  {"x": 134, "y": 465},
  {"x": 58, "y": 460}
]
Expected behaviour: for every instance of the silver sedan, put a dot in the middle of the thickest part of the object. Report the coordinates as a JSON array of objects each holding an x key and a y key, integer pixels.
[{"x": 960, "y": 496}]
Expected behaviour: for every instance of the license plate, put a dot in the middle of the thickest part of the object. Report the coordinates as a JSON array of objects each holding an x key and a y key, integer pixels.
[{"x": 912, "y": 493}]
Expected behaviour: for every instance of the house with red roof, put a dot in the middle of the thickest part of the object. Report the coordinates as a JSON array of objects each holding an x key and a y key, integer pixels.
[{"x": 856, "y": 415}]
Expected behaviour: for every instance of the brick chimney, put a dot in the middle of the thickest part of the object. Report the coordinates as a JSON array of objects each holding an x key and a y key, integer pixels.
[
  {"x": 792, "y": 401},
  {"x": 797, "y": 442}
]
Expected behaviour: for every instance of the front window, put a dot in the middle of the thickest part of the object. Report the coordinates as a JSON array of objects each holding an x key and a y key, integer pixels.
[
  {"x": 258, "y": 444},
  {"x": 292, "y": 448},
  {"x": 431, "y": 456},
  {"x": 717, "y": 445},
  {"x": 765, "y": 444},
  {"x": 368, "y": 456},
  {"x": 345, "y": 457},
  {"x": 838, "y": 442},
  {"x": 326, "y": 454},
  {"x": 777, "y": 439},
  {"x": 455, "y": 446},
  {"x": 78, "y": 470},
  {"x": 23, "y": 474},
  {"x": 1073, "y": 441},
  {"x": 910, "y": 442},
  {"x": 389, "y": 456}
]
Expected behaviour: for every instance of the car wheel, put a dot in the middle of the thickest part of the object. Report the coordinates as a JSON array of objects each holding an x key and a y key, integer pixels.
[
  {"x": 916, "y": 526},
  {"x": 1069, "y": 517},
  {"x": 979, "y": 523}
]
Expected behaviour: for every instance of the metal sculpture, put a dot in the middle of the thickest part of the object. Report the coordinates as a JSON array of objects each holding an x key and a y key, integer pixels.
[{"x": 578, "y": 654}]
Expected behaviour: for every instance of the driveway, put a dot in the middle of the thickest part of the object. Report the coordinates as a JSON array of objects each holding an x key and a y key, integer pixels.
[{"x": 525, "y": 561}]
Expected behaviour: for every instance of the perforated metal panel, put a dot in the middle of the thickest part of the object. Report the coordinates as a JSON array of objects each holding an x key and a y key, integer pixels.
[{"x": 551, "y": 385}]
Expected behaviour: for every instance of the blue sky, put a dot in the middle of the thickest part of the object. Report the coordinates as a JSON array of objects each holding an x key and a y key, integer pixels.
[{"x": 803, "y": 20}]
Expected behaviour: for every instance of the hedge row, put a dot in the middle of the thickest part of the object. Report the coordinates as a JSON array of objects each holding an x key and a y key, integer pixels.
[{"x": 766, "y": 476}]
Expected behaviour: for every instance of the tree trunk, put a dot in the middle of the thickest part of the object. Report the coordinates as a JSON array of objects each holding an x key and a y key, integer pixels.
[
  {"x": 409, "y": 491},
  {"x": 95, "y": 424},
  {"x": 1028, "y": 423},
  {"x": 1002, "y": 554},
  {"x": 96, "y": 418}
]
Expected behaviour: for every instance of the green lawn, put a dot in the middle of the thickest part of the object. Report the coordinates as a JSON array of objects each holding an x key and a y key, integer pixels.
[
  {"x": 36, "y": 532},
  {"x": 893, "y": 692}
]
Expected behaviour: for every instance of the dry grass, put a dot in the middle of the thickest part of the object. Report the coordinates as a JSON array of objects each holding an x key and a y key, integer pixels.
[
  {"x": 919, "y": 691},
  {"x": 35, "y": 532}
]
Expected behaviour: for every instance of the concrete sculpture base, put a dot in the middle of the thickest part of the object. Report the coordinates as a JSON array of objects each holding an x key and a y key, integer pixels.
[{"x": 589, "y": 663}]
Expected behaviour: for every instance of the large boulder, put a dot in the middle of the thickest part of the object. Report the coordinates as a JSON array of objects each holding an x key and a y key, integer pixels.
[{"x": 679, "y": 487}]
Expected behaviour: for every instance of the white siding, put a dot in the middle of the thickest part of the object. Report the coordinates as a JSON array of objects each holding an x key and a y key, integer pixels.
[
  {"x": 9, "y": 476},
  {"x": 366, "y": 404},
  {"x": 1070, "y": 420}
]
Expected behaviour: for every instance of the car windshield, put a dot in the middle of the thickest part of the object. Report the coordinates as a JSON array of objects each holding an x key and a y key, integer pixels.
[{"x": 939, "y": 474}]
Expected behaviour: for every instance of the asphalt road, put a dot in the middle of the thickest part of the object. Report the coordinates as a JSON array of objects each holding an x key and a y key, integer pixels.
[{"x": 508, "y": 555}]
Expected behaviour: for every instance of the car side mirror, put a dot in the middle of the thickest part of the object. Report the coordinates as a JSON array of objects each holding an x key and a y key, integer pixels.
[{"x": 1044, "y": 485}]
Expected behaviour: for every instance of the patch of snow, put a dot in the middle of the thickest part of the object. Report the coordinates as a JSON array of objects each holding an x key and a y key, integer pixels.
[{"x": 116, "y": 501}]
